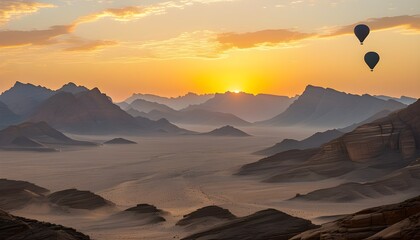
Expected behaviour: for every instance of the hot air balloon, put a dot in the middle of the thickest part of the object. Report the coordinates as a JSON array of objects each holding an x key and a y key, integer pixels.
[
  {"x": 371, "y": 59},
  {"x": 361, "y": 31}
]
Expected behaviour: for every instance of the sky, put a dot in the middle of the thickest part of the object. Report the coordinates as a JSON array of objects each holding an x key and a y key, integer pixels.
[{"x": 171, "y": 47}]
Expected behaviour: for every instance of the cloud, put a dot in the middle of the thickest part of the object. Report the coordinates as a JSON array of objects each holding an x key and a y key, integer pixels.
[
  {"x": 266, "y": 37},
  {"x": 200, "y": 44},
  {"x": 12, "y": 38},
  {"x": 405, "y": 21},
  {"x": 119, "y": 14},
  {"x": 89, "y": 45},
  {"x": 14, "y": 8},
  {"x": 282, "y": 36},
  {"x": 131, "y": 13}
]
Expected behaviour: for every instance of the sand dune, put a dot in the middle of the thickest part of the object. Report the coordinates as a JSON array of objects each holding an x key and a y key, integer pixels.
[
  {"x": 119, "y": 141},
  {"x": 205, "y": 217},
  {"x": 77, "y": 199},
  {"x": 17, "y": 194},
  {"x": 268, "y": 224}
]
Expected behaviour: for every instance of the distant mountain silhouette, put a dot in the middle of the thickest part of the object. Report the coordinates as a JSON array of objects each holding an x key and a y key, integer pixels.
[
  {"x": 313, "y": 141},
  {"x": 402, "y": 99},
  {"x": 35, "y": 135},
  {"x": 7, "y": 117},
  {"x": 146, "y": 106},
  {"x": 93, "y": 112},
  {"x": 227, "y": 131},
  {"x": 72, "y": 88},
  {"x": 391, "y": 143},
  {"x": 322, "y": 107},
  {"x": 23, "y": 99},
  {"x": 194, "y": 116},
  {"x": 176, "y": 103},
  {"x": 246, "y": 106}
]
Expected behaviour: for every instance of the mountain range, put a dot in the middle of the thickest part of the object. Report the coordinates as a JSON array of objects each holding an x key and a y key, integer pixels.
[
  {"x": 77, "y": 109},
  {"x": 23, "y": 99},
  {"x": 176, "y": 103},
  {"x": 403, "y": 99},
  {"x": 325, "y": 107},
  {"x": 7, "y": 116},
  {"x": 247, "y": 106},
  {"x": 194, "y": 116},
  {"x": 93, "y": 112}
]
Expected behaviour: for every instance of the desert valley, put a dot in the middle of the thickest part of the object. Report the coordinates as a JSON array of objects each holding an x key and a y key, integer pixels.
[
  {"x": 223, "y": 166},
  {"x": 209, "y": 120}
]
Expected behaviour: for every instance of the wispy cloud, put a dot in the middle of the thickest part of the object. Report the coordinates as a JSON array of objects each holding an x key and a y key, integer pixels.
[
  {"x": 201, "y": 44},
  {"x": 376, "y": 24},
  {"x": 77, "y": 44},
  {"x": 11, "y": 38},
  {"x": 119, "y": 14},
  {"x": 10, "y": 9},
  {"x": 280, "y": 36},
  {"x": 131, "y": 13},
  {"x": 264, "y": 37}
]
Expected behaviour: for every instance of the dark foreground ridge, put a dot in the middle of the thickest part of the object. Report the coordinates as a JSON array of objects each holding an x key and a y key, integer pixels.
[
  {"x": 18, "y": 228},
  {"x": 395, "y": 221}
]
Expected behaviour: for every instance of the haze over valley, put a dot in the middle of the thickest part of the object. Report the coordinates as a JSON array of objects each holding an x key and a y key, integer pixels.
[{"x": 209, "y": 120}]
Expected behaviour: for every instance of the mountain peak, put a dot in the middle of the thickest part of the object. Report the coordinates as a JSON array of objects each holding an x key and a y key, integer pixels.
[
  {"x": 72, "y": 88},
  {"x": 17, "y": 84},
  {"x": 21, "y": 84}
]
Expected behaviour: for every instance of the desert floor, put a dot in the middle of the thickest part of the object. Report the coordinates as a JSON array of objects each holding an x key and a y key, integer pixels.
[{"x": 176, "y": 174}]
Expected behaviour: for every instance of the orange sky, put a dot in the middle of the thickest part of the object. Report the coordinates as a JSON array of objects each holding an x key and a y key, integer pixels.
[{"x": 204, "y": 46}]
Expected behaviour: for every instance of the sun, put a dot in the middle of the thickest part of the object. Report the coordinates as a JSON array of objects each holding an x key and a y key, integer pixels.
[{"x": 236, "y": 91}]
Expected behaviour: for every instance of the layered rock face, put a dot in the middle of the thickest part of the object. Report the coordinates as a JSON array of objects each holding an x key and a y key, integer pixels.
[
  {"x": 17, "y": 228},
  {"x": 371, "y": 140},
  {"x": 386, "y": 145},
  {"x": 395, "y": 221}
]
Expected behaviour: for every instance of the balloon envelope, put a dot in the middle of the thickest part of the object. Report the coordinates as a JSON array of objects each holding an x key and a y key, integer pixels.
[
  {"x": 361, "y": 31},
  {"x": 372, "y": 59}
]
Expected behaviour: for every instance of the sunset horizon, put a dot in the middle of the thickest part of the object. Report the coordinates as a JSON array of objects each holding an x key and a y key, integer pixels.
[
  {"x": 124, "y": 47},
  {"x": 209, "y": 119}
]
